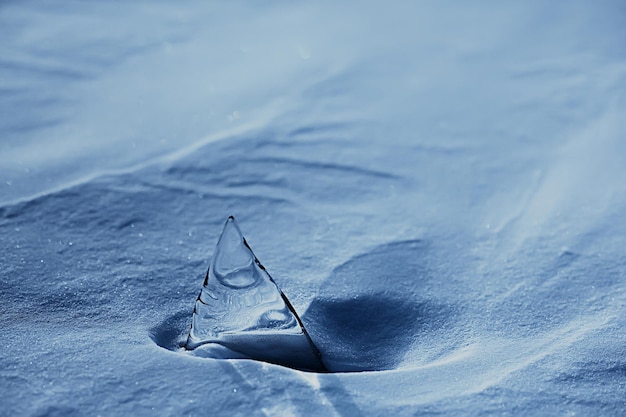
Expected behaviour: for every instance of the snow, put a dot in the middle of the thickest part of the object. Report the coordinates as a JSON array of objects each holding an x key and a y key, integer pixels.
[{"x": 437, "y": 188}]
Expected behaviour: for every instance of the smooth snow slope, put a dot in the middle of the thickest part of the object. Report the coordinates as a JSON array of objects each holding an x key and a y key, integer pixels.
[{"x": 439, "y": 190}]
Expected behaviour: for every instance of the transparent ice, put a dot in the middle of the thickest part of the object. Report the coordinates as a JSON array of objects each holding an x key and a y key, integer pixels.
[{"x": 241, "y": 312}]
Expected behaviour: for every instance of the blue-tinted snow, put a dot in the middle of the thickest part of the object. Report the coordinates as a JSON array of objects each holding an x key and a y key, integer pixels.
[{"x": 438, "y": 189}]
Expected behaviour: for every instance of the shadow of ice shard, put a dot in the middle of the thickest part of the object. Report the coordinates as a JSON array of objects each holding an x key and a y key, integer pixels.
[
  {"x": 380, "y": 305},
  {"x": 241, "y": 312}
]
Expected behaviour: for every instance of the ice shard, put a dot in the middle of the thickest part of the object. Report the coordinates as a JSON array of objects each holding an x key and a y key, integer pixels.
[{"x": 241, "y": 312}]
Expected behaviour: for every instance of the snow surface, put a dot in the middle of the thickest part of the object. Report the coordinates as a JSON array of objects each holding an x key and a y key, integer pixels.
[{"x": 439, "y": 189}]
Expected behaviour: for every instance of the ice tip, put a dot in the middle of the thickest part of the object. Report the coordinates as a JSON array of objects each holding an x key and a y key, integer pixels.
[
  {"x": 231, "y": 221},
  {"x": 232, "y": 227}
]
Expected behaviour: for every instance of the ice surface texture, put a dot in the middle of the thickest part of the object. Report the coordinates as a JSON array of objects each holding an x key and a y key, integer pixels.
[{"x": 241, "y": 312}]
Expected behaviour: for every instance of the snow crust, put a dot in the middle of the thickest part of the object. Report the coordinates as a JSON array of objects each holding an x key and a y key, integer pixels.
[{"x": 439, "y": 188}]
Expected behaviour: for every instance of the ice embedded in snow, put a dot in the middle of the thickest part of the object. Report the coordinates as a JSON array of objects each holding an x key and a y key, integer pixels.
[{"x": 241, "y": 312}]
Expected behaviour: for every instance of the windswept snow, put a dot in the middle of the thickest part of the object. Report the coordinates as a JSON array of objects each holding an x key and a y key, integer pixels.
[{"x": 438, "y": 188}]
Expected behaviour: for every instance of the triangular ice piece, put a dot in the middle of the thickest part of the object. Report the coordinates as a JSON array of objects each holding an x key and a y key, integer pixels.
[{"x": 241, "y": 312}]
